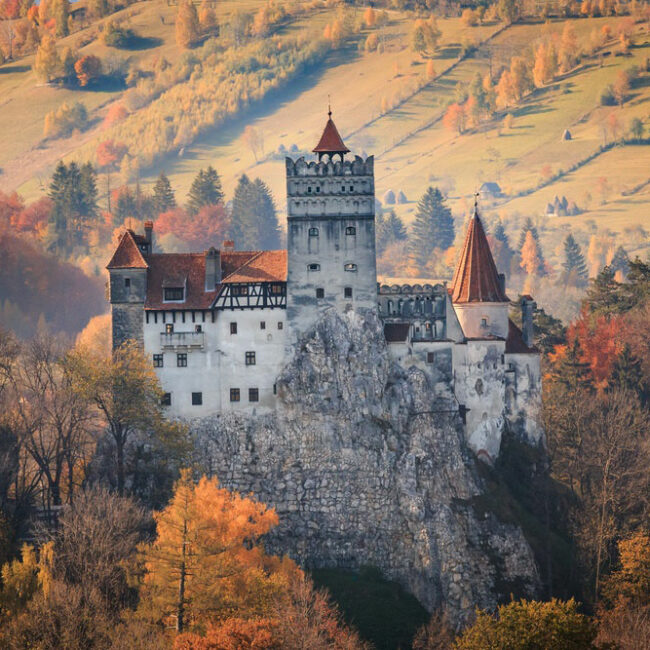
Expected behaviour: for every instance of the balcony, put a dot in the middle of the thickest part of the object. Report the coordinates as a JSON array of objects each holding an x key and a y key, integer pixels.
[{"x": 182, "y": 340}]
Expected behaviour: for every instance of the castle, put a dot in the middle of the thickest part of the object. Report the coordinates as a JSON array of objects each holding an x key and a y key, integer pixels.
[{"x": 219, "y": 325}]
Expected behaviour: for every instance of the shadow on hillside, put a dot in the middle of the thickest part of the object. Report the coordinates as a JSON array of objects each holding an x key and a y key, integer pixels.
[
  {"x": 534, "y": 109},
  {"x": 448, "y": 52},
  {"x": 8, "y": 69},
  {"x": 136, "y": 43}
]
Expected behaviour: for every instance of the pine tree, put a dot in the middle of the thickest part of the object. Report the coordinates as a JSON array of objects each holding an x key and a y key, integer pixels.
[
  {"x": 504, "y": 253},
  {"x": 163, "y": 195},
  {"x": 620, "y": 261},
  {"x": 575, "y": 268},
  {"x": 627, "y": 374},
  {"x": 433, "y": 226},
  {"x": 205, "y": 190},
  {"x": 389, "y": 230},
  {"x": 88, "y": 188},
  {"x": 125, "y": 206},
  {"x": 254, "y": 219}
]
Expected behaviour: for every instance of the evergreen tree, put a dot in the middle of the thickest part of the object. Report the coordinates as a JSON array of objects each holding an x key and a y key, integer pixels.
[
  {"x": 575, "y": 268},
  {"x": 389, "y": 230},
  {"x": 503, "y": 254},
  {"x": 125, "y": 206},
  {"x": 72, "y": 197},
  {"x": 88, "y": 187},
  {"x": 620, "y": 261},
  {"x": 205, "y": 190},
  {"x": 254, "y": 219},
  {"x": 627, "y": 374},
  {"x": 433, "y": 226},
  {"x": 163, "y": 195}
]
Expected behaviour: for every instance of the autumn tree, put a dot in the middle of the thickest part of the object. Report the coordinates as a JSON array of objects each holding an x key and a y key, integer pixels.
[
  {"x": 60, "y": 10},
  {"x": 370, "y": 17},
  {"x": 508, "y": 11},
  {"x": 425, "y": 36},
  {"x": 187, "y": 24},
  {"x": 205, "y": 190},
  {"x": 207, "y": 18},
  {"x": 433, "y": 227},
  {"x": 546, "y": 65},
  {"x": 163, "y": 194},
  {"x": 208, "y": 227},
  {"x": 568, "y": 56},
  {"x": 530, "y": 257},
  {"x": 126, "y": 393},
  {"x": 253, "y": 140},
  {"x": 47, "y": 64},
  {"x": 88, "y": 69},
  {"x": 207, "y": 559},
  {"x": 621, "y": 87},
  {"x": 637, "y": 129}
]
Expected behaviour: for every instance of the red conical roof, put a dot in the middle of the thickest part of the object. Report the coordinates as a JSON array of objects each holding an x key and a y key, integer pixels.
[
  {"x": 476, "y": 278},
  {"x": 127, "y": 254},
  {"x": 330, "y": 141}
]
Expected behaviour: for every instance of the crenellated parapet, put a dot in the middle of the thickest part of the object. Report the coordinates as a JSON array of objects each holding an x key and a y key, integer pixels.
[{"x": 328, "y": 167}]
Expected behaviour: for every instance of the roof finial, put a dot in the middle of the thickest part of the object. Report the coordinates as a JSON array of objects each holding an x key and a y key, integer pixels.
[
  {"x": 476, "y": 195},
  {"x": 329, "y": 106}
]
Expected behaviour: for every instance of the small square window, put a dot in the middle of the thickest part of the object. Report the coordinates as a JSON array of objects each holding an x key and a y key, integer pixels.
[
  {"x": 127, "y": 282},
  {"x": 350, "y": 230},
  {"x": 317, "y": 189},
  {"x": 173, "y": 293},
  {"x": 351, "y": 188},
  {"x": 350, "y": 267},
  {"x": 309, "y": 190},
  {"x": 280, "y": 325},
  {"x": 166, "y": 399},
  {"x": 157, "y": 360},
  {"x": 347, "y": 292},
  {"x": 313, "y": 267},
  {"x": 250, "y": 358},
  {"x": 169, "y": 328},
  {"x": 181, "y": 360},
  {"x": 253, "y": 394},
  {"x": 262, "y": 325},
  {"x": 430, "y": 357},
  {"x": 198, "y": 328},
  {"x": 234, "y": 394},
  {"x": 197, "y": 399},
  {"x": 313, "y": 232},
  {"x": 233, "y": 328},
  {"x": 320, "y": 293},
  {"x": 484, "y": 322},
  {"x": 342, "y": 188}
]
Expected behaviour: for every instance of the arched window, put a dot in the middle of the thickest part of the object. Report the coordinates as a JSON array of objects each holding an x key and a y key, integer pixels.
[
  {"x": 313, "y": 267},
  {"x": 350, "y": 230},
  {"x": 313, "y": 232},
  {"x": 350, "y": 267}
]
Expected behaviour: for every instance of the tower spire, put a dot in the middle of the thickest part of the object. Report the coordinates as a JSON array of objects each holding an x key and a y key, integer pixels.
[{"x": 330, "y": 142}]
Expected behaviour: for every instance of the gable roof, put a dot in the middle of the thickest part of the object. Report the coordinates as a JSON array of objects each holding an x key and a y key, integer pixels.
[
  {"x": 127, "y": 254},
  {"x": 476, "y": 278},
  {"x": 330, "y": 141},
  {"x": 176, "y": 269},
  {"x": 515, "y": 341}
]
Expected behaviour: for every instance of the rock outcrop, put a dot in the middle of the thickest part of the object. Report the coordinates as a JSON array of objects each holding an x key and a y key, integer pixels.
[{"x": 367, "y": 465}]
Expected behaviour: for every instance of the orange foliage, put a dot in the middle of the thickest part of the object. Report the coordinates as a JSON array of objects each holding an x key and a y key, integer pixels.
[
  {"x": 109, "y": 153},
  {"x": 233, "y": 634},
  {"x": 34, "y": 218},
  {"x": 601, "y": 341},
  {"x": 207, "y": 228},
  {"x": 96, "y": 336},
  {"x": 530, "y": 255},
  {"x": 88, "y": 68},
  {"x": 454, "y": 118},
  {"x": 116, "y": 113}
]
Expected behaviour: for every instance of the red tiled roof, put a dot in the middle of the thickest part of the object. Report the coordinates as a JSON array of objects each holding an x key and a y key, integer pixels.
[
  {"x": 127, "y": 254},
  {"x": 515, "y": 341},
  {"x": 476, "y": 278},
  {"x": 169, "y": 269},
  {"x": 330, "y": 141},
  {"x": 396, "y": 332}
]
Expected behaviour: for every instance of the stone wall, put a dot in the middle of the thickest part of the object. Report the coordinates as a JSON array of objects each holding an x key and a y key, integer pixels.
[{"x": 366, "y": 466}]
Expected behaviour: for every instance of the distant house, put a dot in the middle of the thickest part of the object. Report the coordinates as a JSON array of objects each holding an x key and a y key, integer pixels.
[{"x": 492, "y": 190}]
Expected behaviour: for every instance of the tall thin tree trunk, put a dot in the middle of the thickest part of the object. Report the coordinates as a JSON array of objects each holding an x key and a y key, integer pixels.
[
  {"x": 180, "y": 622},
  {"x": 119, "y": 443}
]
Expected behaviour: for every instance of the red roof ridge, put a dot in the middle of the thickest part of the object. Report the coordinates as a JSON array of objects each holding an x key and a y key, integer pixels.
[
  {"x": 127, "y": 255},
  {"x": 476, "y": 278},
  {"x": 330, "y": 141},
  {"x": 256, "y": 254}
]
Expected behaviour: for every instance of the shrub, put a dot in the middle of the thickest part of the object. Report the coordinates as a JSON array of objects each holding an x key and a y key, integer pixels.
[
  {"x": 607, "y": 97},
  {"x": 65, "y": 119},
  {"x": 117, "y": 36}
]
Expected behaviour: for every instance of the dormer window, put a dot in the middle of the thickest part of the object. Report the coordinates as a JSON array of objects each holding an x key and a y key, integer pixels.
[
  {"x": 174, "y": 294},
  {"x": 313, "y": 232}
]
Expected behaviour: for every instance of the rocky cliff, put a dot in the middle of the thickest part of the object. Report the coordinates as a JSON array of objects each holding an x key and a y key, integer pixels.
[{"x": 366, "y": 464}]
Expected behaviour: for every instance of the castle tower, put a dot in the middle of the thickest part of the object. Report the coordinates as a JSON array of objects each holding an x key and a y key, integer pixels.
[
  {"x": 331, "y": 232},
  {"x": 128, "y": 286},
  {"x": 477, "y": 290}
]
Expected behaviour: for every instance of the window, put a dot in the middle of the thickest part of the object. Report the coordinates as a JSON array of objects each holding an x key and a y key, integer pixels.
[
  {"x": 127, "y": 282},
  {"x": 197, "y": 399},
  {"x": 166, "y": 399},
  {"x": 169, "y": 328},
  {"x": 262, "y": 325},
  {"x": 313, "y": 232},
  {"x": 351, "y": 188},
  {"x": 342, "y": 188},
  {"x": 317, "y": 189},
  {"x": 313, "y": 267},
  {"x": 277, "y": 289},
  {"x": 347, "y": 292},
  {"x": 240, "y": 290},
  {"x": 198, "y": 328},
  {"x": 253, "y": 394},
  {"x": 181, "y": 359},
  {"x": 320, "y": 293},
  {"x": 430, "y": 357},
  {"x": 309, "y": 190},
  {"x": 250, "y": 358},
  {"x": 173, "y": 293},
  {"x": 350, "y": 267},
  {"x": 280, "y": 325},
  {"x": 350, "y": 230},
  {"x": 275, "y": 389},
  {"x": 234, "y": 394},
  {"x": 233, "y": 328},
  {"x": 157, "y": 360},
  {"x": 484, "y": 322}
]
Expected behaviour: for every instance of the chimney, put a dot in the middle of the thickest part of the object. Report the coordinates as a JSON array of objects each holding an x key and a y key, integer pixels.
[
  {"x": 502, "y": 282},
  {"x": 228, "y": 245},
  {"x": 212, "y": 269},
  {"x": 148, "y": 235},
  {"x": 528, "y": 306}
]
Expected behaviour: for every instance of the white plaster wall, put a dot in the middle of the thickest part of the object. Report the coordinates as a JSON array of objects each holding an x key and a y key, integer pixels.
[
  {"x": 471, "y": 314},
  {"x": 524, "y": 395},
  {"x": 454, "y": 329},
  {"x": 221, "y": 365},
  {"x": 479, "y": 384}
]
